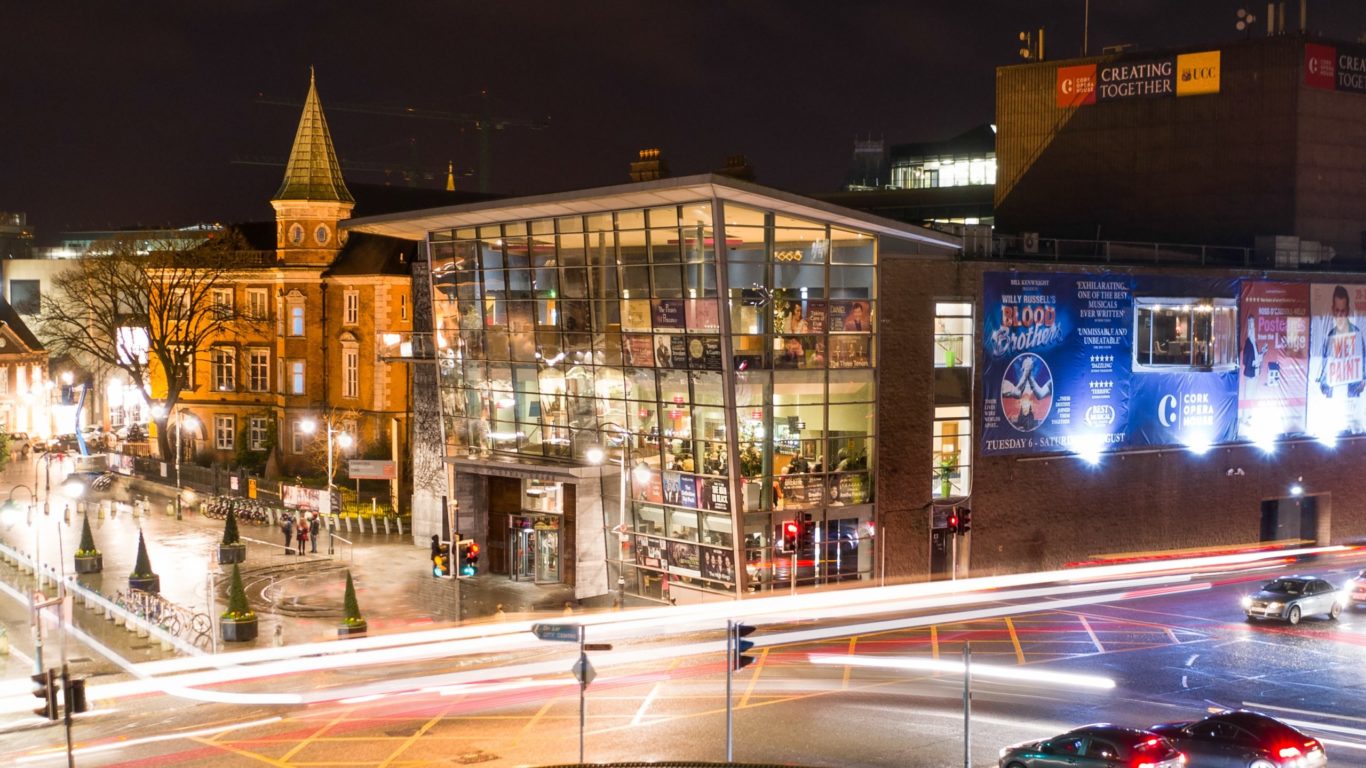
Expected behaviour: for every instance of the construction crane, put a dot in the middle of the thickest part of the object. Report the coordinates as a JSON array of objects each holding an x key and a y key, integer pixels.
[{"x": 485, "y": 123}]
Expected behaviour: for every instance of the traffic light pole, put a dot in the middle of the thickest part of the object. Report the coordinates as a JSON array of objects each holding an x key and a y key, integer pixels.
[
  {"x": 967, "y": 705},
  {"x": 583, "y": 691}
]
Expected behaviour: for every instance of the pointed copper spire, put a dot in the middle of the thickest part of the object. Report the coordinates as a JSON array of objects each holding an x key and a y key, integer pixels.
[{"x": 313, "y": 172}]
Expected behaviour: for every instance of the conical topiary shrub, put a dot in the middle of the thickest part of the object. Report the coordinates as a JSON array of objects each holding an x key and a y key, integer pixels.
[
  {"x": 142, "y": 576},
  {"x": 353, "y": 623},
  {"x": 238, "y": 622},
  {"x": 88, "y": 558},
  {"x": 231, "y": 550}
]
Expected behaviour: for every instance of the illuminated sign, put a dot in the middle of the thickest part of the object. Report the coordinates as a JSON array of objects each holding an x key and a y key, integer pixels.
[
  {"x": 1335, "y": 68},
  {"x": 1197, "y": 74},
  {"x": 1076, "y": 85},
  {"x": 1137, "y": 79}
]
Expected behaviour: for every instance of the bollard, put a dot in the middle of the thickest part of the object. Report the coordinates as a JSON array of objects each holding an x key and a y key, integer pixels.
[
  {"x": 399, "y": 522},
  {"x": 170, "y": 509},
  {"x": 386, "y": 526},
  {"x": 103, "y": 510},
  {"x": 347, "y": 520}
]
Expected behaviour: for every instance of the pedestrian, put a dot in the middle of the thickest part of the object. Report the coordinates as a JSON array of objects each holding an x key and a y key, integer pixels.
[
  {"x": 313, "y": 527},
  {"x": 287, "y": 525},
  {"x": 279, "y": 635},
  {"x": 302, "y": 534}
]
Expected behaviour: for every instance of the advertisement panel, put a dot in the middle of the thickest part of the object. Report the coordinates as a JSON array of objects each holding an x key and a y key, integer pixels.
[
  {"x": 1137, "y": 79},
  {"x": 1273, "y": 361},
  {"x": 1194, "y": 408},
  {"x": 1058, "y": 354},
  {"x": 1335, "y": 68},
  {"x": 1076, "y": 86},
  {"x": 1197, "y": 74},
  {"x": 1337, "y": 350}
]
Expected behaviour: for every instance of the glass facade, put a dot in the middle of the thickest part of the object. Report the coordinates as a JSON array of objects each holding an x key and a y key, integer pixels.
[{"x": 721, "y": 356}]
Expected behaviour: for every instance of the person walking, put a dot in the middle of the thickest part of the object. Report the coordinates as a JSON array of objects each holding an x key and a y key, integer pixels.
[
  {"x": 302, "y": 534},
  {"x": 287, "y": 526},
  {"x": 313, "y": 527}
]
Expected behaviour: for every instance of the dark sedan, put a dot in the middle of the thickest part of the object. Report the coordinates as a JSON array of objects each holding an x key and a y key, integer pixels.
[
  {"x": 1244, "y": 739},
  {"x": 1095, "y": 746}
]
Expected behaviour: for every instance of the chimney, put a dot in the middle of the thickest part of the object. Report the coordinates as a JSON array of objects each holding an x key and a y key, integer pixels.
[
  {"x": 737, "y": 167},
  {"x": 650, "y": 166}
]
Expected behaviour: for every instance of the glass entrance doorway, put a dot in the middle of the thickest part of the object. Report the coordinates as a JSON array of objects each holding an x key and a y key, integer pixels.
[{"x": 534, "y": 543}]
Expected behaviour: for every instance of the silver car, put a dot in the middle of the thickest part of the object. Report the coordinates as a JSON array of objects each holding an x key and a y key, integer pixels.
[
  {"x": 1291, "y": 598},
  {"x": 1094, "y": 746}
]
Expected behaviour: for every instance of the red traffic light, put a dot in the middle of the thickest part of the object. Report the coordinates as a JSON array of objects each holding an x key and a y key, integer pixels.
[
  {"x": 790, "y": 528},
  {"x": 472, "y": 551}
]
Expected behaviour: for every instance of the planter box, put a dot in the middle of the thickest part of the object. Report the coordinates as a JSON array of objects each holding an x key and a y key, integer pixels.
[
  {"x": 232, "y": 553},
  {"x": 92, "y": 564},
  {"x": 146, "y": 583},
  {"x": 347, "y": 630},
  {"x": 238, "y": 630}
]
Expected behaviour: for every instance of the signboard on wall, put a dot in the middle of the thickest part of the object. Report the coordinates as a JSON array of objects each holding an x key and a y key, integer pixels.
[
  {"x": 1273, "y": 358},
  {"x": 1337, "y": 356},
  {"x": 1187, "y": 74},
  {"x": 1339, "y": 67},
  {"x": 1058, "y": 356},
  {"x": 369, "y": 469}
]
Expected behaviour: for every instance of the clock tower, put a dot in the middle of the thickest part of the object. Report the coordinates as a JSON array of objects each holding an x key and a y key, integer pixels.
[{"x": 313, "y": 197}]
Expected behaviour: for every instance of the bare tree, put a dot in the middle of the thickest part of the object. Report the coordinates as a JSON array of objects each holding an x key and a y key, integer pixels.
[
  {"x": 342, "y": 422},
  {"x": 145, "y": 310}
]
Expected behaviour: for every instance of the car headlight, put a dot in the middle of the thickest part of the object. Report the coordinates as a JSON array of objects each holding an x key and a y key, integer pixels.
[
  {"x": 1247, "y": 601},
  {"x": 1274, "y": 606}
]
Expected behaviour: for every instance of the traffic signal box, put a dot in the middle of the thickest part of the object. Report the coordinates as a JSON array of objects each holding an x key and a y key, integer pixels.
[
  {"x": 953, "y": 520},
  {"x": 469, "y": 557},
  {"x": 964, "y": 519},
  {"x": 441, "y": 562},
  {"x": 739, "y": 645},
  {"x": 792, "y": 530},
  {"x": 45, "y": 688}
]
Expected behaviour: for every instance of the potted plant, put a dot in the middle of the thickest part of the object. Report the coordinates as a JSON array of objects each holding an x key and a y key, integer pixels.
[
  {"x": 353, "y": 623},
  {"x": 238, "y": 622},
  {"x": 142, "y": 576},
  {"x": 231, "y": 550},
  {"x": 948, "y": 464},
  {"x": 88, "y": 559}
]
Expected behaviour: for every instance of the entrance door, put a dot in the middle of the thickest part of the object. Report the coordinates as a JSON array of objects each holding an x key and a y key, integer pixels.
[
  {"x": 547, "y": 556},
  {"x": 522, "y": 547},
  {"x": 1290, "y": 518}
]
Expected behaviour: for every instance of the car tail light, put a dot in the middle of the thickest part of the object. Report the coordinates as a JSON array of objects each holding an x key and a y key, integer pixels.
[{"x": 1289, "y": 752}]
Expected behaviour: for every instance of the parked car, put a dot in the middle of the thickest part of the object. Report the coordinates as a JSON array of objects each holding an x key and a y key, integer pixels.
[
  {"x": 1095, "y": 746},
  {"x": 19, "y": 442},
  {"x": 1291, "y": 598},
  {"x": 1356, "y": 589},
  {"x": 1243, "y": 739}
]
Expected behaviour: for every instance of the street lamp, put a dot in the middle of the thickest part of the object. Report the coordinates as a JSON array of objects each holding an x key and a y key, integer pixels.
[
  {"x": 182, "y": 421},
  {"x": 341, "y": 438}
]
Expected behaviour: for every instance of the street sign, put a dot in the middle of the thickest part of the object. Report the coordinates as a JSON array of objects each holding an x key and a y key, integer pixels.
[
  {"x": 565, "y": 633},
  {"x": 597, "y": 646},
  {"x": 583, "y": 671},
  {"x": 371, "y": 469}
]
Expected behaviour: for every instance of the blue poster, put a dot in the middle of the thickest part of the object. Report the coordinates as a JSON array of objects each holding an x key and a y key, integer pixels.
[
  {"x": 1196, "y": 408},
  {"x": 1058, "y": 354}
]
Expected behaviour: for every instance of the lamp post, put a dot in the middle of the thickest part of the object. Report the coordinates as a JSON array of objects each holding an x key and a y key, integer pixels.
[
  {"x": 182, "y": 420},
  {"x": 341, "y": 438}
]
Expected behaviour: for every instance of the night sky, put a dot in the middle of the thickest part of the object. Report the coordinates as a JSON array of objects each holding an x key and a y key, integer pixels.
[{"x": 140, "y": 112}]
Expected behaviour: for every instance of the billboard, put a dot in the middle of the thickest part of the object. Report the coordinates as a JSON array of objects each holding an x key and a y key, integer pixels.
[
  {"x": 1337, "y": 352},
  {"x": 1340, "y": 67},
  {"x": 1058, "y": 359},
  {"x": 1273, "y": 359},
  {"x": 1187, "y": 74}
]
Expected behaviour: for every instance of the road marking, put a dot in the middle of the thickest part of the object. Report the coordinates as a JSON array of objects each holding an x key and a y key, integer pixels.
[
  {"x": 1257, "y": 705},
  {"x": 644, "y": 705},
  {"x": 346, "y": 713},
  {"x": 1015, "y": 638},
  {"x": 1171, "y": 634},
  {"x": 411, "y": 740},
  {"x": 536, "y": 718},
  {"x": 1184, "y": 684},
  {"x": 934, "y": 641},
  {"x": 852, "y": 642},
  {"x": 754, "y": 678},
  {"x": 1087, "y": 626},
  {"x": 1192, "y": 659}
]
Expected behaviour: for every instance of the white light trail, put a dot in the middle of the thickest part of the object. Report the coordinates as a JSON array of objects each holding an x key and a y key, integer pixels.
[
  {"x": 60, "y": 754},
  {"x": 1017, "y": 674}
]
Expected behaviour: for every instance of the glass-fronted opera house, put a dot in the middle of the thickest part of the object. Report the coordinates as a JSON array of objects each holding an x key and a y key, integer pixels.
[{"x": 667, "y": 388}]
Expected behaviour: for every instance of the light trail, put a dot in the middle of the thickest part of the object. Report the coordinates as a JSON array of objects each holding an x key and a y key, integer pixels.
[
  {"x": 992, "y": 671},
  {"x": 60, "y": 754}
]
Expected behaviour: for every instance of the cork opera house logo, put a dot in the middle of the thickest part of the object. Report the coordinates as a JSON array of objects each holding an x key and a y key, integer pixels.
[{"x": 1076, "y": 85}]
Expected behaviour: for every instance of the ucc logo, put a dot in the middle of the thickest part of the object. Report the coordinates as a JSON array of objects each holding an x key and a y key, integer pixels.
[{"x": 1192, "y": 74}]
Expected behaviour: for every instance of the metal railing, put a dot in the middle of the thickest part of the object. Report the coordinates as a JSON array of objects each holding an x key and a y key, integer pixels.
[{"x": 1019, "y": 247}]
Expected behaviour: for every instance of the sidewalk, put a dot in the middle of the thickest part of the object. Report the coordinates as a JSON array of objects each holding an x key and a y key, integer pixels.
[{"x": 302, "y": 596}]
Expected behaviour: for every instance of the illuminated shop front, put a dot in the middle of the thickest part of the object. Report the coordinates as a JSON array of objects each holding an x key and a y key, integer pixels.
[{"x": 708, "y": 350}]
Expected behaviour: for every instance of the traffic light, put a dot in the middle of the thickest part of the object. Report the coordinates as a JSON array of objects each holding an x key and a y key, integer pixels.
[
  {"x": 953, "y": 521},
  {"x": 73, "y": 693},
  {"x": 441, "y": 561},
  {"x": 964, "y": 519},
  {"x": 45, "y": 688},
  {"x": 791, "y": 530},
  {"x": 469, "y": 557},
  {"x": 738, "y": 645},
  {"x": 808, "y": 532}
]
